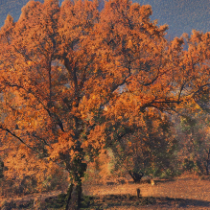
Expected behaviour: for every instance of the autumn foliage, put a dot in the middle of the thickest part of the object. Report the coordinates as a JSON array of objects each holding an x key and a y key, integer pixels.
[{"x": 76, "y": 81}]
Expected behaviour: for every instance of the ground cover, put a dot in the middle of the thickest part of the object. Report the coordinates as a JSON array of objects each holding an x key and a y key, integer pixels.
[{"x": 186, "y": 192}]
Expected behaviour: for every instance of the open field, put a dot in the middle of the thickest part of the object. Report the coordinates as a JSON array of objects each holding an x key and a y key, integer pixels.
[{"x": 181, "y": 193}]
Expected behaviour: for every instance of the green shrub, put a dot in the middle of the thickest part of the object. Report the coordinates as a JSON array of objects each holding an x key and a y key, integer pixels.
[{"x": 188, "y": 165}]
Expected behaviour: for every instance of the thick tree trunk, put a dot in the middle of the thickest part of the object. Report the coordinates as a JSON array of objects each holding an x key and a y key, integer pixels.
[
  {"x": 69, "y": 192},
  {"x": 136, "y": 176},
  {"x": 74, "y": 197}
]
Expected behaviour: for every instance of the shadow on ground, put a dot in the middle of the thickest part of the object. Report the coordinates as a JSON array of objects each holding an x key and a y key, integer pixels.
[
  {"x": 103, "y": 202},
  {"x": 108, "y": 201}
]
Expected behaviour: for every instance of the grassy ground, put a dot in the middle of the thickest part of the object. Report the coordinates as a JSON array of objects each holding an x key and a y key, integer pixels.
[{"x": 186, "y": 192}]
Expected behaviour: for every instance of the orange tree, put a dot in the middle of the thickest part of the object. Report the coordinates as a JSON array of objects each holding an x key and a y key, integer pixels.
[
  {"x": 75, "y": 80},
  {"x": 45, "y": 67},
  {"x": 193, "y": 77},
  {"x": 133, "y": 67}
]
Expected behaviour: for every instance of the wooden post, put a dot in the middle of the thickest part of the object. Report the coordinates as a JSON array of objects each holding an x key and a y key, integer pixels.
[{"x": 138, "y": 193}]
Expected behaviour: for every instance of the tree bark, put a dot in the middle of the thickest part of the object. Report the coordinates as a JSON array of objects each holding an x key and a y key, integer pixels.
[
  {"x": 69, "y": 192},
  {"x": 74, "y": 197}
]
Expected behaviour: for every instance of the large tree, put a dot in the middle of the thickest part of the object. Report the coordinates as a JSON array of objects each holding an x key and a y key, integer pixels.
[{"x": 75, "y": 80}]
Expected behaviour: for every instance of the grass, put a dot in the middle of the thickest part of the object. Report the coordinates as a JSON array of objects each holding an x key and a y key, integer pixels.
[{"x": 187, "y": 191}]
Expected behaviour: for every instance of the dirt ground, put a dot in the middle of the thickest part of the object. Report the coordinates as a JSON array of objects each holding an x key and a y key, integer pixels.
[{"x": 181, "y": 193}]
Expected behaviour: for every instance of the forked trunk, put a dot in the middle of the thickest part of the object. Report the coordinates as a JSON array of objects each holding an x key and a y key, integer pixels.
[
  {"x": 136, "y": 176},
  {"x": 74, "y": 197}
]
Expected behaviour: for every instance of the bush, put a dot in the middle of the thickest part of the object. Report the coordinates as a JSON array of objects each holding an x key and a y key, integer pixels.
[{"x": 188, "y": 165}]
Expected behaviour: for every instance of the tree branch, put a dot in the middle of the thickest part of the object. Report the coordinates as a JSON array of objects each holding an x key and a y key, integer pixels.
[
  {"x": 14, "y": 135},
  {"x": 51, "y": 115}
]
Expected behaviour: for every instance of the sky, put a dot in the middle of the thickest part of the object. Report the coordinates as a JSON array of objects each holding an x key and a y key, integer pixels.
[{"x": 181, "y": 15}]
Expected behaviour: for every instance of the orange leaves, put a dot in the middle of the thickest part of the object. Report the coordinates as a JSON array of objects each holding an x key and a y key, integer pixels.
[
  {"x": 97, "y": 137},
  {"x": 75, "y": 78},
  {"x": 64, "y": 145}
]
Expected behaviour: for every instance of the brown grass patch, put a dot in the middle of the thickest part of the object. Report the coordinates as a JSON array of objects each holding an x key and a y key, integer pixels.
[{"x": 187, "y": 191}]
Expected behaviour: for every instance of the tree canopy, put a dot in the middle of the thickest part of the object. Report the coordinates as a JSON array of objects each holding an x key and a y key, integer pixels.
[{"x": 75, "y": 81}]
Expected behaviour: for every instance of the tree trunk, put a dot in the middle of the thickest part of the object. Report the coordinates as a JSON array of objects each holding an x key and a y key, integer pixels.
[
  {"x": 136, "y": 176},
  {"x": 208, "y": 163},
  {"x": 207, "y": 166},
  {"x": 74, "y": 197},
  {"x": 207, "y": 169},
  {"x": 68, "y": 196}
]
